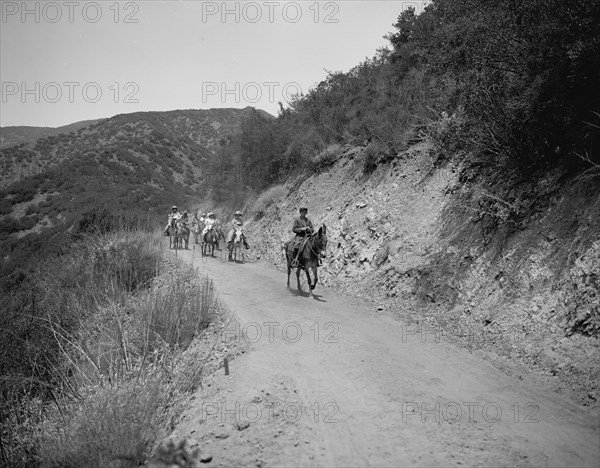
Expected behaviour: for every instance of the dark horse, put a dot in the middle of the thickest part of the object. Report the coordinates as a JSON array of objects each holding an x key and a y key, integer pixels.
[
  {"x": 308, "y": 258},
  {"x": 211, "y": 239}
]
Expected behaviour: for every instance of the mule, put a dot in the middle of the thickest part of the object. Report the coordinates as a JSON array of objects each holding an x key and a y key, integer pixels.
[
  {"x": 196, "y": 231},
  {"x": 210, "y": 240},
  {"x": 308, "y": 258},
  {"x": 237, "y": 246},
  {"x": 220, "y": 236},
  {"x": 184, "y": 232},
  {"x": 174, "y": 235}
]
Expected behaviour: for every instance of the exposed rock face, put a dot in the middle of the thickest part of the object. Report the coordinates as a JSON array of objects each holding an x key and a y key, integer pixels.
[{"x": 518, "y": 270}]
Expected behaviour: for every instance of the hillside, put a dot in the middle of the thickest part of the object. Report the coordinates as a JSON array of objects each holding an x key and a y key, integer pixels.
[
  {"x": 509, "y": 271},
  {"x": 11, "y": 136},
  {"x": 136, "y": 163}
]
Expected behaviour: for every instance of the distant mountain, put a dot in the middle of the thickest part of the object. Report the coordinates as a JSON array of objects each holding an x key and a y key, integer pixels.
[
  {"x": 137, "y": 163},
  {"x": 11, "y": 136},
  {"x": 208, "y": 129}
]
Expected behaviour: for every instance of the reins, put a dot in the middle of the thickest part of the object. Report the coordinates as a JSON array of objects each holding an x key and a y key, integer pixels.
[{"x": 314, "y": 236}]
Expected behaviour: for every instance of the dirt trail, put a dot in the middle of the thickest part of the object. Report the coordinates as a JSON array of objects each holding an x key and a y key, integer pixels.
[{"x": 332, "y": 382}]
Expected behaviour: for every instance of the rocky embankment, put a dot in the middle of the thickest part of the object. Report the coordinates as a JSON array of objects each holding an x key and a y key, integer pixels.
[{"x": 508, "y": 270}]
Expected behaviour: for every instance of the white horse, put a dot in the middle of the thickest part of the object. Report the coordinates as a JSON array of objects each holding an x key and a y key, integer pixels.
[
  {"x": 197, "y": 228},
  {"x": 237, "y": 246}
]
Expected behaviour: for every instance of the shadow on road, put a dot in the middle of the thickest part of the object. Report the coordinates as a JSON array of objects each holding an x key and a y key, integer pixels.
[{"x": 316, "y": 297}]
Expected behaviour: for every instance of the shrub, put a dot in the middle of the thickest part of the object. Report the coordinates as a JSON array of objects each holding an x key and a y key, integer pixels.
[
  {"x": 110, "y": 361},
  {"x": 373, "y": 155},
  {"x": 268, "y": 198},
  {"x": 113, "y": 427},
  {"x": 327, "y": 157},
  {"x": 450, "y": 134}
]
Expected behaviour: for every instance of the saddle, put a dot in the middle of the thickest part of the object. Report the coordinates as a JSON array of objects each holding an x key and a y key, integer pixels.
[{"x": 298, "y": 246}]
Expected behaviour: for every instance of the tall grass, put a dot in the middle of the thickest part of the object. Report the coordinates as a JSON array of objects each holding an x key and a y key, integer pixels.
[{"x": 106, "y": 374}]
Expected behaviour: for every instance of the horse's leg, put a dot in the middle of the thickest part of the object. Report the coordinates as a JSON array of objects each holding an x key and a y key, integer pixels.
[
  {"x": 310, "y": 286},
  {"x": 314, "y": 270},
  {"x": 288, "y": 260},
  {"x": 298, "y": 278}
]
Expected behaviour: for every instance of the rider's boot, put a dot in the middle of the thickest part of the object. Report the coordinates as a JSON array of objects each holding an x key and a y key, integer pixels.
[{"x": 246, "y": 244}]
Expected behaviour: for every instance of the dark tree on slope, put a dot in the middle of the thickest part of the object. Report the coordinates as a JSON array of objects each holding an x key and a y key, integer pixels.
[{"x": 527, "y": 73}]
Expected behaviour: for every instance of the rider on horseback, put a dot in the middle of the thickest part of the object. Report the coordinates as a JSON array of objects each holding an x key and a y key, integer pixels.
[
  {"x": 173, "y": 215},
  {"x": 303, "y": 228},
  {"x": 185, "y": 220},
  {"x": 237, "y": 225},
  {"x": 209, "y": 223}
]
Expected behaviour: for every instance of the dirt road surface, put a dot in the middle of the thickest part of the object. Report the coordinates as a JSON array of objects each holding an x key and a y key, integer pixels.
[{"x": 330, "y": 381}]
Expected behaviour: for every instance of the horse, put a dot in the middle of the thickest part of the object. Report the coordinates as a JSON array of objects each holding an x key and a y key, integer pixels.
[
  {"x": 184, "y": 232},
  {"x": 308, "y": 257},
  {"x": 220, "y": 235},
  {"x": 174, "y": 235},
  {"x": 211, "y": 239},
  {"x": 237, "y": 245},
  {"x": 197, "y": 228}
]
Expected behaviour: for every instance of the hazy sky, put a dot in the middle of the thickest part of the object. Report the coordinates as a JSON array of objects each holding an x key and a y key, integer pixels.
[{"x": 66, "y": 61}]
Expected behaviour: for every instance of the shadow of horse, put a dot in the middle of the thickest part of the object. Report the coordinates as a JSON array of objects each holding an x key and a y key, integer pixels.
[
  {"x": 308, "y": 258},
  {"x": 316, "y": 297}
]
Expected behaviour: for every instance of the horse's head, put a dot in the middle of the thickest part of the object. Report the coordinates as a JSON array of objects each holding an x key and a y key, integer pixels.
[{"x": 321, "y": 241}]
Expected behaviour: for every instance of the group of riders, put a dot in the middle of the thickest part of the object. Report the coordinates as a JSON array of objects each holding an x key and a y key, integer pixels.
[
  {"x": 302, "y": 227},
  {"x": 208, "y": 222}
]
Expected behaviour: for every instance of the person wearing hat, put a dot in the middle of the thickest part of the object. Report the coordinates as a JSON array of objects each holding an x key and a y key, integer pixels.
[
  {"x": 174, "y": 214},
  {"x": 185, "y": 219},
  {"x": 236, "y": 223},
  {"x": 303, "y": 228},
  {"x": 209, "y": 223}
]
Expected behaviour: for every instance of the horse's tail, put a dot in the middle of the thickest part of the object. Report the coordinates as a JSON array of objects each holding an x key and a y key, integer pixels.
[{"x": 284, "y": 248}]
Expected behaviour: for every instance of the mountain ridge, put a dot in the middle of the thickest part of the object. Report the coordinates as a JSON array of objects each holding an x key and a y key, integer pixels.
[{"x": 138, "y": 163}]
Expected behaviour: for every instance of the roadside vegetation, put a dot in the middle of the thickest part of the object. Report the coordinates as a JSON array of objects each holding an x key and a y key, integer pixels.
[
  {"x": 509, "y": 84},
  {"x": 93, "y": 351}
]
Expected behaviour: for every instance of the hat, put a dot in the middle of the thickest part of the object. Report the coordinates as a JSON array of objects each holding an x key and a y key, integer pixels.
[
  {"x": 203, "y": 215},
  {"x": 303, "y": 209},
  {"x": 237, "y": 213},
  {"x": 211, "y": 214},
  {"x": 185, "y": 213},
  {"x": 174, "y": 207}
]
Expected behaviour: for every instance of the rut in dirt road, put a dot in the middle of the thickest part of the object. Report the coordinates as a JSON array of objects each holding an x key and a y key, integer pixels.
[{"x": 348, "y": 386}]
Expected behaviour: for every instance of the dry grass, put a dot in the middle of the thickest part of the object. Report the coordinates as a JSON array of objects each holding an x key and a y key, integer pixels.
[{"x": 116, "y": 319}]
